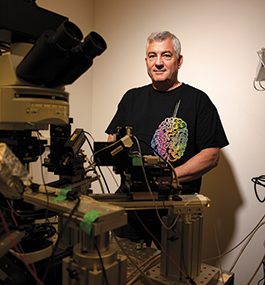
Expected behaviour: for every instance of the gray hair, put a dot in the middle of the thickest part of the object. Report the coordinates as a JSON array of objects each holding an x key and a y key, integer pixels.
[{"x": 161, "y": 36}]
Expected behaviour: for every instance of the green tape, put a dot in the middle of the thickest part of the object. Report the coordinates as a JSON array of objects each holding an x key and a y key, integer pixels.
[
  {"x": 62, "y": 194},
  {"x": 137, "y": 161},
  {"x": 88, "y": 219}
]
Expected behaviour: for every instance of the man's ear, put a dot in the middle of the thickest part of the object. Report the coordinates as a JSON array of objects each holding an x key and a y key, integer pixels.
[{"x": 180, "y": 59}]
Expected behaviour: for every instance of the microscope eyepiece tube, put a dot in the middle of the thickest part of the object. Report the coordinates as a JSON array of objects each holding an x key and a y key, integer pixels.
[
  {"x": 80, "y": 59},
  {"x": 67, "y": 36},
  {"x": 49, "y": 56}
]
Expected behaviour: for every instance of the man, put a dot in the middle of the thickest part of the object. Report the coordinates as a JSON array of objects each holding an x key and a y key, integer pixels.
[{"x": 179, "y": 121}]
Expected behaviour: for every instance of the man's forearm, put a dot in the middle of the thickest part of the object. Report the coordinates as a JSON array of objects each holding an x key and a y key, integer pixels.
[{"x": 198, "y": 165}]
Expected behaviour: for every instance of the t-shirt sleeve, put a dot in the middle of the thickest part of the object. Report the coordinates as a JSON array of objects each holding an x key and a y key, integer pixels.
[
  {"x": 210, "y": 131},
  {"x": 119, "y": 117}
]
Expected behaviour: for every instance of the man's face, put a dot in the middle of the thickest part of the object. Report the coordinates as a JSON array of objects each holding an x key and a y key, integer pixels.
[{"x": 162, "y": 64}]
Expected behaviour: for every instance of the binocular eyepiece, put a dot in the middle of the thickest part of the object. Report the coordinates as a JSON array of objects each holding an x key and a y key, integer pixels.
[{"x": 59, "y": 57}]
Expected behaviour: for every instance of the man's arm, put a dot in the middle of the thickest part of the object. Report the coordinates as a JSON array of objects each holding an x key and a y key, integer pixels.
[{"x": 198, "y": 165}]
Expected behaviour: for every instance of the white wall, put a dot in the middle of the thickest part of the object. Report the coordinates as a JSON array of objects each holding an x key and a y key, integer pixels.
[{"x": 219, "y": 43}]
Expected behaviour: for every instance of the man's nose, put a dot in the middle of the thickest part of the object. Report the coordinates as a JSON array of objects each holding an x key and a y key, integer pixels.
[
  {"x": 159, "y": 62},
  {"x": 159, "y": 66}
]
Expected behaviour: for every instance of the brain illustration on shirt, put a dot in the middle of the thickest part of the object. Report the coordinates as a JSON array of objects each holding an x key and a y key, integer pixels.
[{"x": 170, "y": 139}]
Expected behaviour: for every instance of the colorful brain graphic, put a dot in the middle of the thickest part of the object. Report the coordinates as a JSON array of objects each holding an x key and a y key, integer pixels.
[{"x": 170, "y": 139}]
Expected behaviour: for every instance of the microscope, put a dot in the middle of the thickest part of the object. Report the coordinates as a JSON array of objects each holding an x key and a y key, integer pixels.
[{"x": 40, "y": 53}]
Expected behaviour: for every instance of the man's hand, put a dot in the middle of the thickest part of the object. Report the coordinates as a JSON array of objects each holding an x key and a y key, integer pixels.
[{"x": 110, "y": 138}]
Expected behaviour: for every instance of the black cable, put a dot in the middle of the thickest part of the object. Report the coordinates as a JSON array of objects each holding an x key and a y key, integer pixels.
[
  {"x": 260, "y": 180},
  {"x": 39, "y": 135},
  {"x": 153, "y": 150},
  {"x": 60, "y": 236},
  {"x": 103, "y": 177},
  {"x": 101, "y": 261},
  {"x": 43, "y": 179},
  {"x": 182, "y": 249},
  {"x": 147, "y": 144},
  {"x": 91, "y": 148},
  {"x": 263, "y": 278},
  {"x": 263, "y": 271},
  {"x": 190, "y": 280}
]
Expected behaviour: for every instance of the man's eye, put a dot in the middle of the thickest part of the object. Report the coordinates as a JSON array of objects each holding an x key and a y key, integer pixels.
[
  {"x": 151, "y": 56},
  {"x": 167, "y": 55}
]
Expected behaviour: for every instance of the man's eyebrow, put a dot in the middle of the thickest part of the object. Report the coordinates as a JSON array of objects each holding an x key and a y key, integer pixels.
[
  {"x": 151, "y": 52},
  {"x": 163, "y": 52},
  {"x": 167, "y": 51}
]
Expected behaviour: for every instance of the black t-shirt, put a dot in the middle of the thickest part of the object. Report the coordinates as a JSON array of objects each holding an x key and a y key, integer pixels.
[{"x": 177, "y": 124}]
